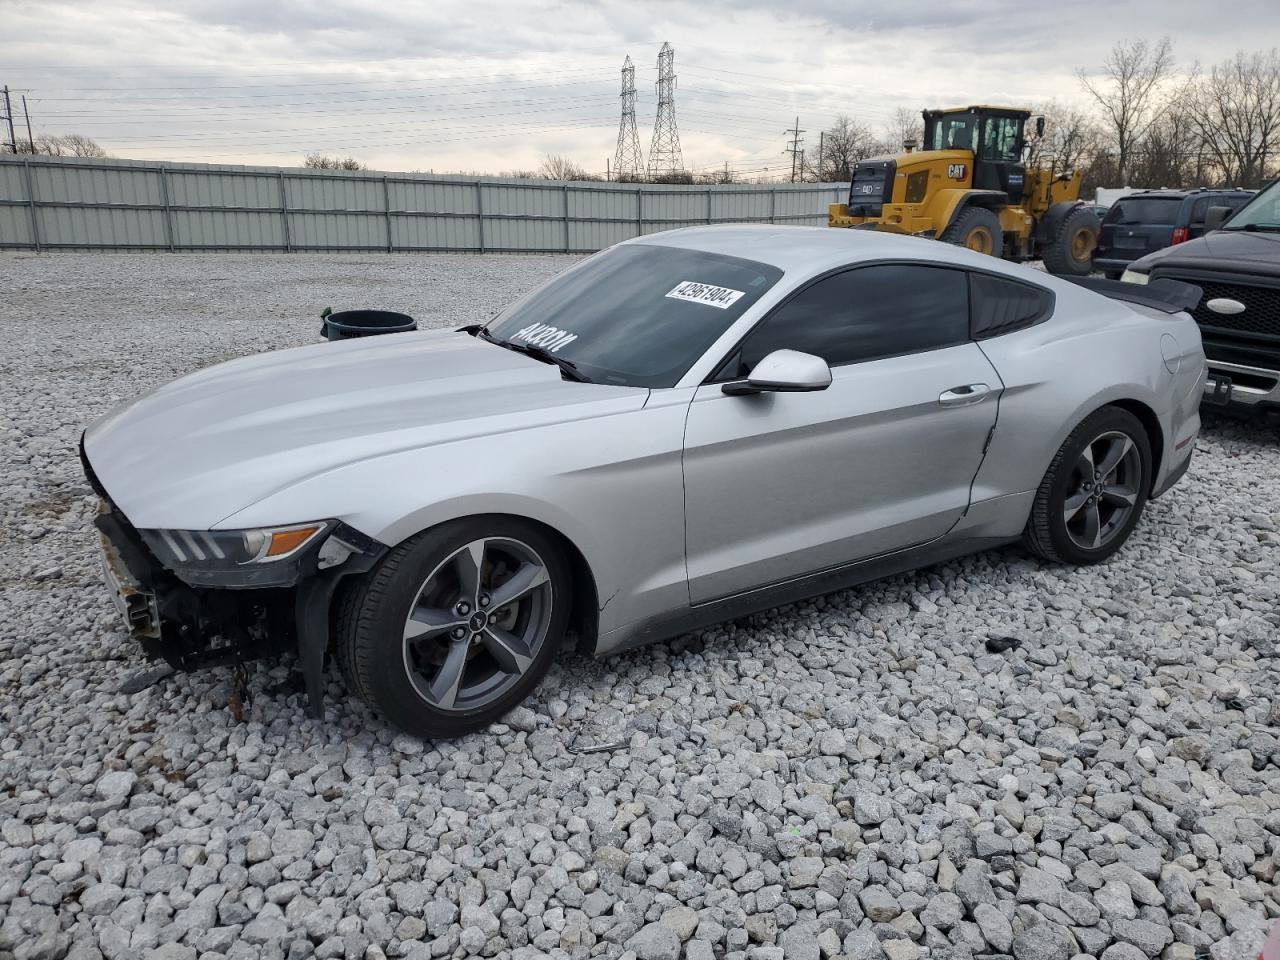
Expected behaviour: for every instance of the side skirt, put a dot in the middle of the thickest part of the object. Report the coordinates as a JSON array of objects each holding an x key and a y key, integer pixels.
[{"x": 668, "y": 625}]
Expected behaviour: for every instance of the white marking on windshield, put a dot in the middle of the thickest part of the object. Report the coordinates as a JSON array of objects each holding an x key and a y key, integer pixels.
[
  {"x": 721, "y": 298},
  {"x": 546, "y": 336}
]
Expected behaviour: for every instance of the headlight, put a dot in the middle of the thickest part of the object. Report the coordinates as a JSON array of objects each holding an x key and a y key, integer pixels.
[
  {"x": 1133, "y": 276},
  {"x": 250, "y": 558}
]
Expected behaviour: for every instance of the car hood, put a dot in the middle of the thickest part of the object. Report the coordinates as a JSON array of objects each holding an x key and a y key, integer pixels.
[
  {"x": 1221, "y": 250},
  {"x": 200, "y": 449}
]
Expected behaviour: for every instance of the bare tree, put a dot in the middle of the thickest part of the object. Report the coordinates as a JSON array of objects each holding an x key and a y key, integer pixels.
[
  {"x": 318, "y": 161},
  {"x": 67, "y": 145},
  {"x": 1130, "y": 92},
  {"x": 844, "y": 143},
  {"x": 1236, "y": 113},
  {"x": 904, "y": 125},
  {"x": 1167, "y": 155},
  {"x": 556, "y": 167},
  {"x": 1070, "y": 140}
]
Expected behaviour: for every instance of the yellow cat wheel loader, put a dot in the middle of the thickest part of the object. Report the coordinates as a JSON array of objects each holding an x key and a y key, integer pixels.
[{"x": 969, "y": 185}]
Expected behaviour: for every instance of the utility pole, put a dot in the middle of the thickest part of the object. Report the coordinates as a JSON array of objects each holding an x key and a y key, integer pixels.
[
  {"x": 822, "y": 136},
  {"x": 30, "y": 139},
  {"x": 8, "y": 117},
  {"x": 794, "y": 149}
]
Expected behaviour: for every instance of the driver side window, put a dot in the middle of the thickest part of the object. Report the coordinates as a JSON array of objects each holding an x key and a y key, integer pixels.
[{"x": 862, "y": 314}]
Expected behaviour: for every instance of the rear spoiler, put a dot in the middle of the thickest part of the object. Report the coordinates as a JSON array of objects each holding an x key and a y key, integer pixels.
[{"x": 1165, "y": 295}]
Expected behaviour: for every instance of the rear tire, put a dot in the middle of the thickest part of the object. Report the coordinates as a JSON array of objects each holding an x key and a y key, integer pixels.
[
  {"x": 426, "y": 639},
  {"x": 1094, "y": 491},
  {"x": 976, "y": 229},
  {"x": 1069, "y": 253}
]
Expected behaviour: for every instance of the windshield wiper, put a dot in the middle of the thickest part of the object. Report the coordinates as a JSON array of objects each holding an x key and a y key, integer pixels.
[
  {"x": 1257, "y": 228},
  {"x": 567, "y": 367}
]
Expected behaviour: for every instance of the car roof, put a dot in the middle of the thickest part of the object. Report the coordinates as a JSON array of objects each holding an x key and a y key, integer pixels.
[
  {"x": 813, "y": 250},
  {"x": 1181, "y": 193}
]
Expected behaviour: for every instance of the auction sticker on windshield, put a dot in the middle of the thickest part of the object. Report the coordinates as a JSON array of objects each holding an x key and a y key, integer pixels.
[
  {"x": 546, "y": 336},
  {"x": 720, "y": 297}
]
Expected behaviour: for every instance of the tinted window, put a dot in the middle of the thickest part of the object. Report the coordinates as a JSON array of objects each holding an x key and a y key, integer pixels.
[
  {"x": 638, "y": 314},
  {"x": 1200, "y": 208},
  {"x": 864, "y": 314},
  {"x": 1002, "y": 306},
  {"x": 1161, "y": 210}
]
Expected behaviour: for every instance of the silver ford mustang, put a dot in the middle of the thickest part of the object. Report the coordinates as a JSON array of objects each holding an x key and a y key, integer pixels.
[{"x": 680, "y": 429}]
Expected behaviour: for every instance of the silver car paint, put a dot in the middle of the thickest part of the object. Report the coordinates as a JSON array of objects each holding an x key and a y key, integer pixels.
[
  {"x": 396, "y": 434},
  {"x": 781, "y": 484}
]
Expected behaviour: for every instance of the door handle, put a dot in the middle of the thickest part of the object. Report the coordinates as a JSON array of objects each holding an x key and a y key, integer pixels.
[{"x": 962, "y": 396}]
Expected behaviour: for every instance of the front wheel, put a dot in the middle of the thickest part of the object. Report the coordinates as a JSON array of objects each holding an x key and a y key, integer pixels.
[
  {"x": 457, "y": 625},
  {"x": 1093, "y": 494},
  {"x": 976, "y": 229}
]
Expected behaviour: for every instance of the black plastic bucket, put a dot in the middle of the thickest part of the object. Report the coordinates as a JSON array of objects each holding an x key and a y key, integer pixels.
[{"x": 347, "y": 324}]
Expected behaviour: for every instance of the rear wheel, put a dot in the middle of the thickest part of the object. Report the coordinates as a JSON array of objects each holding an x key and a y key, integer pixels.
[
  {"x": 1070, "y": 251},
  {"x": 976, "y": 229},
  {"x": 457, "y": 625},
  {"x": 1093, "y": 494}
]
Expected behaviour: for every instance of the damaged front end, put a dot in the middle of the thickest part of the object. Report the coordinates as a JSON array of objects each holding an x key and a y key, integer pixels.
[{"x": 213, "y": 598}]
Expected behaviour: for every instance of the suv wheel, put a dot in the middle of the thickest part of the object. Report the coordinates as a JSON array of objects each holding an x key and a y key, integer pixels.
[{"x": 457, "y": 625}]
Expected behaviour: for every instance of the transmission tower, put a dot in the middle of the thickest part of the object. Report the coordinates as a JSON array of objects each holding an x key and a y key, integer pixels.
[
  {"x": 628, "y": 164},
  {"x": 664, "y": 150},
  {"x": 796, "y": 149}
]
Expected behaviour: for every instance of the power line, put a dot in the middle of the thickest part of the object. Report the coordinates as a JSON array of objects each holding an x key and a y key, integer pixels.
[
  {"x": 664, "y": 150},
  {"x": 628, "y": 164}
]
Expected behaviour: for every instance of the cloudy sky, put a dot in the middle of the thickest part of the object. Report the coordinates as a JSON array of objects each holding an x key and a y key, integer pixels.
[{"x": 480, "y": 86}]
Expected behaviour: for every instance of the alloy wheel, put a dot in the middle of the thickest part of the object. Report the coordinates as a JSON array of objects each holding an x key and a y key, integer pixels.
[
  {"x": 1102, "y": 490},
  {"x": 477, "y": 623}
]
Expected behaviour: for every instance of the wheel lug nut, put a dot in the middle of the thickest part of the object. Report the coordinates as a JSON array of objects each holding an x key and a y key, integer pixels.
[
  {"x": 463, "y": 608},
  {"x": 459, "y": 633},
  {"x": 484, "y": 599}
]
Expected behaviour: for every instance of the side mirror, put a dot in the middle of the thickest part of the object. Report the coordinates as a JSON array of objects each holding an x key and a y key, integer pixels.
[
  {"x": 1039, "y": 126},
  {"x": 784, "y": 371},
  {"x": 1215, "y": 217}
]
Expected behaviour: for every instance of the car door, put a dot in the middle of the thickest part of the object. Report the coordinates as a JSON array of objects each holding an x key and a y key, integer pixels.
[{"x": 779, "y": 485}]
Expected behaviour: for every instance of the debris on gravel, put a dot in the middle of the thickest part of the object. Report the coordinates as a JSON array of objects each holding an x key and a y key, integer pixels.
[{"x": 853, "y": 776}]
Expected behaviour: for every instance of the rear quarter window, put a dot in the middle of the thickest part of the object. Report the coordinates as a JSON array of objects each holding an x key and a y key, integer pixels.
[
  {"x": 998, "y": 305},
  {"x": 1156, "y": 210}
]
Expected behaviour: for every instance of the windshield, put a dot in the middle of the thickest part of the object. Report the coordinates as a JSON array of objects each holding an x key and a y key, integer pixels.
[
  {"x": 958, "y": 131},
  {"x": 1261, "y": 213},
  {"x": 1146, "y": 210},
  {"x": 636, "y": 314}
]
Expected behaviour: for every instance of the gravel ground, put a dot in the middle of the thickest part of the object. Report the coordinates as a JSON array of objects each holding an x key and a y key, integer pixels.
[{"x": 856, "y": 776}]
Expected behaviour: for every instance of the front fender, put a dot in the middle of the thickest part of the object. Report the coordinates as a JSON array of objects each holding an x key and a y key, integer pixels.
[{"x": 611, "y": 485}]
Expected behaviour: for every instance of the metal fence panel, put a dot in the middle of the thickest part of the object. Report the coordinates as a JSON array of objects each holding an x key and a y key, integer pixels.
[
  {"x": 227, "y": 230},
  {"x": 90, "y": 204}
]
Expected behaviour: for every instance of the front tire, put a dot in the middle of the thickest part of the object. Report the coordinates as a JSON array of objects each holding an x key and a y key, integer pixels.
[
  {"x": 1094, "y": 491},
  {"x": 976, "y": 229},
  {"x": 457, "y": 625}
]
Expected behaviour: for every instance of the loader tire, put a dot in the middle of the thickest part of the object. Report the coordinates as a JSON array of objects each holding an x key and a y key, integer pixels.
[
  {"x": 976, "y": 229},
  {"x": 1069, "y": 252}
]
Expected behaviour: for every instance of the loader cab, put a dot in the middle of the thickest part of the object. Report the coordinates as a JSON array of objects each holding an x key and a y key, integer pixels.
[{"x": 994, "y": 135}]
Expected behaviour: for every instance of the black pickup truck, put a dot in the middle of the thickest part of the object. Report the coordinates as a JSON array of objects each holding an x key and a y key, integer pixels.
[{"x": 1237, "y": 265}]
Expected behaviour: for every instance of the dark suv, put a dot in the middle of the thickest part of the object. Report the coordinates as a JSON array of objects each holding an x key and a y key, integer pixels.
[
  {"x": 1142, "y": 223},
  {"x": 1238, "y": 269}
]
